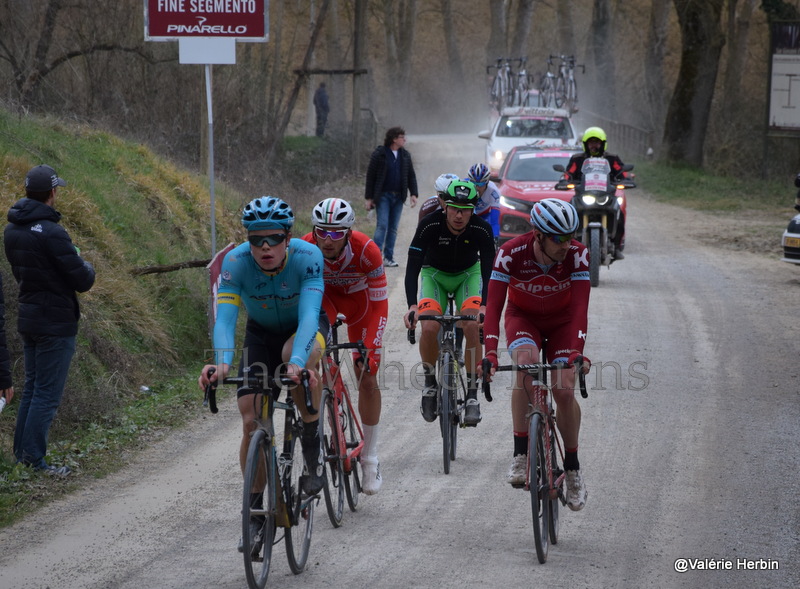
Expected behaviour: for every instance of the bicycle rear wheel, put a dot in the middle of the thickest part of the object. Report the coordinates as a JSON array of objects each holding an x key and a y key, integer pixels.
[
  {"x": 561, "y": 93},
  {"x": 299, "y": 505},
  {"x": 539, "y": 486},
  {"x": 258, "y": 551},
  {"x": 546, "y": 94},
  {"x": 332, "y": 457},
  {"x": 446, "y": 384},
  {"x": 352, "y": 479}
]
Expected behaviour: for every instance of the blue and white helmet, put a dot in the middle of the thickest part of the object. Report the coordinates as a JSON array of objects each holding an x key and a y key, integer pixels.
[
  {"x": 267, "y": 212},
  {"x": 478, "y": 174},
  {"x": 553, "y": 216}
]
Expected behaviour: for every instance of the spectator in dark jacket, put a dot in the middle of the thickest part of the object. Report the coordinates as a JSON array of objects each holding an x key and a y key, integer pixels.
[
  {"x": 49, "y": 270},
  {"x": 6, "y": 388},
  {"x": 322, "y": 107},
  {"x": 390, "y": 177}
]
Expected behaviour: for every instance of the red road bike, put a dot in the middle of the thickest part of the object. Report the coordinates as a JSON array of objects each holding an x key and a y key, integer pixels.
[
  {"x": 544, "y": 478},
  {"x": 340, "y": 431}
]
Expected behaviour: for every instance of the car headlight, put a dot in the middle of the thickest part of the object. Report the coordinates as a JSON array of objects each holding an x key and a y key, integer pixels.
[
  {"x": 515, "y": 204},
  {"x": 498, "y": 155}
]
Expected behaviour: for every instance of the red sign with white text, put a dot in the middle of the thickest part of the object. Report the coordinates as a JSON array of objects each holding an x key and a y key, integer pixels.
[{"x": 244, "y": 20}]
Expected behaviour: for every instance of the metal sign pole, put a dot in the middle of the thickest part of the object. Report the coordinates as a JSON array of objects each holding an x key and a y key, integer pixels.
[{"x": 211, "y": 161}]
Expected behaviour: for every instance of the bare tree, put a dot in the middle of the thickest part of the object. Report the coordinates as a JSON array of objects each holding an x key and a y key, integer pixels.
[
  {"x": 30, "y": 43},
  {"x": 689, "y": 109},
  {"x": 655, "y": 51},
  {"x": 565, "y": 27},
  {"x": 738, "y": 26},
  {"x": 498, "y": 30},
  {"x": 399, "y": 26},
  {"x": 522, "y": 28},
  {"x": 600, "y": 40},
  {"x": 455, "y": 67}
]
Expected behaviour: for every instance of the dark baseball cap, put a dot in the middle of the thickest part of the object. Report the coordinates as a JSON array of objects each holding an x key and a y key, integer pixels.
[{"x": 43, "y": 179}]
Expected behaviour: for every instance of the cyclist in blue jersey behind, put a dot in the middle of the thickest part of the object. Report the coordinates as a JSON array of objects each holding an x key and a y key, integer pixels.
[
  {"x": 488, "y": 206},
  {"x": 279, "y": 281}
]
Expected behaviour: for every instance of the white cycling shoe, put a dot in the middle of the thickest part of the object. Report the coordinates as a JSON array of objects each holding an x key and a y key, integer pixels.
[
  {"x": 576, "y": 490},
  {"x": 371, "y": 480}
]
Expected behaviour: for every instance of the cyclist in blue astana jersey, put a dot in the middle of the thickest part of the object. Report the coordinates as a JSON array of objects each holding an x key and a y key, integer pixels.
[{"x": 279, "y": 282}]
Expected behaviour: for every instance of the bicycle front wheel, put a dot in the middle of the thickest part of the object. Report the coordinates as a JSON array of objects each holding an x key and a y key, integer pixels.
[
  {"x": 454, "y": 400},
  {"x": 553, "y": 521},
  {"x": 539, "y": 486},
  {"x": 332, "y": 458},
  {"x": 352, "y": 479},
  {"x": 299, "y": 505},
  {"x": 257, "y": 547},
  {"x": 446, "y": 387}
]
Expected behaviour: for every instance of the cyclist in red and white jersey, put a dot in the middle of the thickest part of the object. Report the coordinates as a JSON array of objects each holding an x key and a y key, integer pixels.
[
  {"x": 355, "y": 286},
  {"x": 544, "y": 274}
]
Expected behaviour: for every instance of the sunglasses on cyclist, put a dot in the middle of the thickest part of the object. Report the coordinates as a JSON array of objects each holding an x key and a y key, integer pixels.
[
  {"x": 334, "y": 235},
  {"x": 270, "y": 240},
  {"x": 560, "y": 238}
]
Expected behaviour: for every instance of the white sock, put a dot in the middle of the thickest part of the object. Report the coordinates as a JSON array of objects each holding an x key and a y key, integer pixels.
[{"x": 370, "y": 451}]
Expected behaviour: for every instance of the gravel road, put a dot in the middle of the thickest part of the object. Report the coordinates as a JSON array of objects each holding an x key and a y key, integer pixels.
[{"x": 690, "y": 452}]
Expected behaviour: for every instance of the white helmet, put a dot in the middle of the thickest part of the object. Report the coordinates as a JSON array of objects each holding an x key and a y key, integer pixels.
[
  {"x": 333, "y": 213},
  {"x": 553, "y": 216},
  {"x": 443, "y": 181}
]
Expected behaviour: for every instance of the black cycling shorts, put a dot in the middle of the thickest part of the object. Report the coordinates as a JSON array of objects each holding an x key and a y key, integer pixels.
[{"x": 264, "y": 348}]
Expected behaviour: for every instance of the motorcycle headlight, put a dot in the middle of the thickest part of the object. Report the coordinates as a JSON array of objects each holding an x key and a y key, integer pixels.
[
  {"x": 588, "y": 199},
  {"x": 603, "y": 200},
  {"x": 621, "y": 200}
]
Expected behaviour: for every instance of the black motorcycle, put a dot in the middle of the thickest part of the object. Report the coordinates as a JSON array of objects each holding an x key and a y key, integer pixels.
[{"x": 600, "y": 202}]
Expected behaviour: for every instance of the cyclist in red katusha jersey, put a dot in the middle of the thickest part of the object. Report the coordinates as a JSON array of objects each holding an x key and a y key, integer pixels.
[
  {"x": 545, "y": 276},
  {"x": 355, "y": 286}
]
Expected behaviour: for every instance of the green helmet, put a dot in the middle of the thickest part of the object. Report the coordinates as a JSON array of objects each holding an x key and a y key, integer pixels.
[
  {"x": 594, "y": 133},
  {"x": 461, "y": 194}
]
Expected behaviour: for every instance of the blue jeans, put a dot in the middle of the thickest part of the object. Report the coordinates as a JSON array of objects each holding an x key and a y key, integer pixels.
[
  {"x": 387, "y": 218},
  {"x": 47, "y": 360}
]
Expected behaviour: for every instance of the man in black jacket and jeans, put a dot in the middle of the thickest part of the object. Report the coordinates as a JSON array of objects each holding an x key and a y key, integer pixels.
[
  {"x": 49, "y": 270},
  {"x": 390, "y": 177}
]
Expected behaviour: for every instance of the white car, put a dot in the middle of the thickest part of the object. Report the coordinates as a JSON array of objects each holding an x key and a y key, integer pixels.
[
  {"x": 535, "y": 126},
  {"x": 791, "y": 242}
]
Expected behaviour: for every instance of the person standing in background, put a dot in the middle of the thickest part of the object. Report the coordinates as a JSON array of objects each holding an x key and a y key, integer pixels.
[
  {"x": 322, "y": 107},
  {"x": 6, "y": 388},
  {"x": 390, "y": 177},
  {"x": 49, "y": 271}
]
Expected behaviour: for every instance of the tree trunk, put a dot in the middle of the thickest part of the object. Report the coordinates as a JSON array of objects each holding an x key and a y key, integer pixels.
[
  {"x": 656, "y": 49},
  {"x": 286, "y": 115},
  {"x": 334, "y": 58},
  {"x": 498, "y": 31},
  {"x": 522, "y": 28},
  {"x": 738, "y": 33},
  {"x": 600, "y": 47},
  {"x": 701, "y": 45},
  {"x": 455, "y": 66},
  {"x": 566, "y": 33}
]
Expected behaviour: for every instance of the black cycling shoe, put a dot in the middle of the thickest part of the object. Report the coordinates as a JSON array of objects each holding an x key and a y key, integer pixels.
[
  {"x": 428, "y": 405},
  {"x": 313, "y": 479},
  {"x": 472, "y": 413},
  {"x": 256, "y": 536}
]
